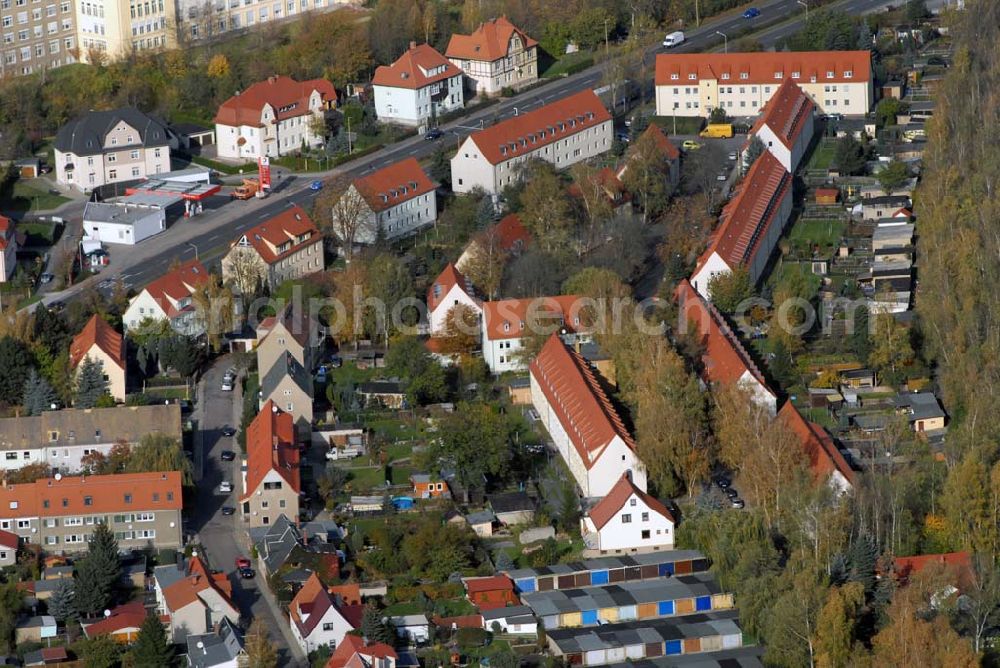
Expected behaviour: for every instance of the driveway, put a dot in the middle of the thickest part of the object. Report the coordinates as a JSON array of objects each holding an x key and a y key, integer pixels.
[{"x": 222, "y": 536}]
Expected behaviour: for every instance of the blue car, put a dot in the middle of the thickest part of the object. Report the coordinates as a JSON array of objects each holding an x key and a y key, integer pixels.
[
  {"x": 751, "y": 13},
  {"x": 316, "y": 185}
]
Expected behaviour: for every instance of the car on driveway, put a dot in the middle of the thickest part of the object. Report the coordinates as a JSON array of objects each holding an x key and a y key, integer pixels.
[
  {"x": 751, "y": 13},
  {"x": 316, "y": 185},
  {"x": 732, "y": 156},
  {"x": 228, "y": 455},
  {"x": 228, "y": 510},
  {"x": 46, "y": 277},
  {"x": 56, "y": 306},
  {"x": 691, "y": 145},
  {"x": 242, "y": 562},
  {"x": 737, "y": 503},
  {"x": 227, "y": 385},
  {"x": 226, "y": 487},
  {"x": 247, "y": 573},
  {"x": 432, "y": 134},
  {"x": 228, "y": 431},
  {"x": 722, "y": 177}
]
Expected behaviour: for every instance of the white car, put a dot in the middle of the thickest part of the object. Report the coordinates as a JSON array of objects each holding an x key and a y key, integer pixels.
[
  {"x": 722, "y": 177},
  {"x": 226, "y": 487},
  {"x": 227, "y": 386}
]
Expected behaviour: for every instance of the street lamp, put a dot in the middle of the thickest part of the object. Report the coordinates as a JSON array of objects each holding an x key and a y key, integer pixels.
[
  {"x": 195, "y": 249},
  {"x": 725, "y": 37},
  {"x": 806, "y": 5}
]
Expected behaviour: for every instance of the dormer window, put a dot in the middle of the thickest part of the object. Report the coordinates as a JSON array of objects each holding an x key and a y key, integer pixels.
[
  {"x": 778, "y": 74},
  {"x": 692, "y": 77},
  {"x": 506, "y": 327},
  {"x": 674, "y": 77},
  {"x": 437, "y": 290},
  {"x": 829, "y": 74},
  {"x": 795, "y": 75},
  {"x": 848, "y": 74},
  {"x": 725, "y": 76},
  {"x": 744, "y": 75}
]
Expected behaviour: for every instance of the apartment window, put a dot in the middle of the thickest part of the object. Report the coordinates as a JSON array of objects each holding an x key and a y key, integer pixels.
[
  {"x": 128, "y": 498},
  {"x": 156, "y": 496},
  {"x": 829, "y": 74},
  {"x": 674, "y": 77},
  {"x": 135, "y": 171},
  {"x": 113, "y": 174},
  {"x": 24, "y": 524},
  {"x": 51, "y": 523},
  {"x": 124, "y": 535},
  {"x": 73, "y": 522},
  {"x": 170, "y": 496},
  {"x": 88, "y": 500},
  {"x": 744, "y": 75},
  {"x": 111, "y": 156},
  {"x": 146, "y": 533},
  {"x": 626, "y": 518},
  {"x": 4, "y": 524},
  {"x": 145, "y": 517},
  {"x": 725, "y": 76},
  {"x": 65, "y": 503},
  {"x": 645, "y": 534},
  {"x": 848, "y": 74},
  {"x": 272, "y": 485},
  {"x": 11, "y": 456},
  {"x": 328, "y": 626},
  {"x": 795, "y": 75},
  {"x": 264, "y": 504},
  {"x": 134, "y": 155},
  {"x": 281, "y": 503},
  {"x": 632, "y": 502},
  {"x": 51, "y": 540},
  {"x": 45, "y": 503},
  {"x": 645, "y": 517}
]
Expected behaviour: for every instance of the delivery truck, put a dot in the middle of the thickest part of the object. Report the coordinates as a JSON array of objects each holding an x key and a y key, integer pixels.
[
  {"x": 717, "y": 131},
  {"x": 673, "y": 39}
]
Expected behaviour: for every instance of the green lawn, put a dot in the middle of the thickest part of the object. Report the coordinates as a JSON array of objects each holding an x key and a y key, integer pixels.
[
  {"x": 395, "y": 428},
  {"x": 362, "y": 480},
  {"x": 568, "y": 64},
  {"x": 402, "y": 608},
  {"x": 25, "y": 198},
  {"x": 401, "y": 475},
  {"x": 822, "y": 157},
  {"x": 825, "y": 233},
  {"x": 39, "y": 233},
  {"x": 796, "y": 273}
]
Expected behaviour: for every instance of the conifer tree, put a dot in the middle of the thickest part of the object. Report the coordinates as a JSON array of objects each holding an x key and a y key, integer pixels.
[{"x": 91, "y": 384}]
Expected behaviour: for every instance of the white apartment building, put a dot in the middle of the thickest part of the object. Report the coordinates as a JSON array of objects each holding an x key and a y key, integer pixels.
[
  {"x": 565, "y": 132},
  {"x": 272, "y": 117},
  {"x": 36, "y": 36},
  {"x": 786, "y": 126},
  {"x": 497, "y": 55},
  {"x": 627, "y": 520},
  {"x": 116, "y": 28},
  {"x": 399, "y": 199},
  {"x": 208, "y": 19},
  {"x": 450, "y": 289},
  {"x": 418, "y": 88},
  {"x": 838, "y": 82},
  {"x": 509, "y": 323},
  {"x": 169, "y": 298},
  {"x": 583, "y": 424},
  {"x": 103, "y": 147}
]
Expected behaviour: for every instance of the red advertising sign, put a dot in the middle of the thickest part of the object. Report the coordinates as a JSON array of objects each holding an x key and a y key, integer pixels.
[{"x": 264, "y": 169}]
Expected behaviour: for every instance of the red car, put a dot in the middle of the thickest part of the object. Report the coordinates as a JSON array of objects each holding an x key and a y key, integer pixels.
[{"x": 242, "y": 562}]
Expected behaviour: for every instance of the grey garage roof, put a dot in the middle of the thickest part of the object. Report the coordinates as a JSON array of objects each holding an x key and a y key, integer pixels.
[
  {"x": 742, "y": 657},
  {"x": 652, "y": 558},
  {"x": 546, "y": 603},
  {"x": 572, "y": 641},
  {"x": 85, "y": 135}
]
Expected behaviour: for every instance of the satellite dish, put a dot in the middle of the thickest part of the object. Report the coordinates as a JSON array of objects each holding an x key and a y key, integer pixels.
[
  {"x": 107, "y": 613},
  {"x": 201, "y": 645},
  {"x": 59, "y": 476}
]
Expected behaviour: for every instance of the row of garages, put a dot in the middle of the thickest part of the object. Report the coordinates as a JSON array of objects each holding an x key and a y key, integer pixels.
[{"x": 609, "y": 570}]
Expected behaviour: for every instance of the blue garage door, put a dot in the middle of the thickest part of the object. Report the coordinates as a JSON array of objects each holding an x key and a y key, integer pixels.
[
  {"x": 588, "y": 617},
  {"x": 703, "y": 603},
  {"x": 527, "y": 585},
  {"x": 672, "y": 647},
  {"x": 666, "y": 569},
  {"x": 664, "y": 608},
  {"x": 598, "y": 577}
]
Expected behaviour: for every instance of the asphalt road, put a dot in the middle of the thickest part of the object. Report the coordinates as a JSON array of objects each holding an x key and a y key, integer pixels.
[{"x": 209, "y": 235}]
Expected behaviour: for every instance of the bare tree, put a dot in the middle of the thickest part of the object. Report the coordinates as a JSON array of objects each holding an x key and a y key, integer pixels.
[
  {"x": 486, "y": 261},
  {"x": 343, "y": 208},
  {"x": 243, "y": 269}
]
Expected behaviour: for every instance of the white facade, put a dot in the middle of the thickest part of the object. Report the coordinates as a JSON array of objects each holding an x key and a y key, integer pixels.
[
  {"x": 698, "y": 98},
  {"x": 436, "y": 319},
  {"x": 789, "y": 157},
  {"x": 117, "y": 223},
  {"x": 617, "y": 459},
  {"x": 329, "y": 631},
  {"x": 635, "y": 528},
  {"x": 143, "y": 306},
  {"x": 502, "y": 355},
  {"x": 122, "y": 158},
  {"x": 418, "y": 106},
  {"x": 397, "y": 221},
  {"x": 270, "y": 138},
  {"x": 471, "y": 169}
]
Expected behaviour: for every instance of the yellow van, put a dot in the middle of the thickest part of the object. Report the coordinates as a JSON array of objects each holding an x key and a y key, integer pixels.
[{"x": 717, "y": 131}]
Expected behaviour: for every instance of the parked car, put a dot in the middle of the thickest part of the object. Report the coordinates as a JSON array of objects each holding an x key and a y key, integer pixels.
[
  {"x": 733, "y": 156},
  {"x": 722, "y": 177},
  {"x": 228, "y": 431},
  {"x": 228, "y": 455},
  {"x": 45, "y": 278},
  {"x": 321, "y": 374},
  {"x": 228, "y": 510},
  {"x": 336, "y": 362},
  {"x": 691, "y": 145},
  {"x": 751, "y": 13},
  {"x": 433, "y": 133},
  {"x": 56, "y": 306},
  {"x": 247, "y": 573},
  {"x": 242, "y": 562},
  {"x": 624, "y": 137},
  {"x": 731, "y": 493},
  {"x": 226, "y": 487},
  {"x": 316, "y": 186},
  {"x": 722, "y": 483},
  {"x": 227, "y": 385},
  {"x": 737, "y": 503}
]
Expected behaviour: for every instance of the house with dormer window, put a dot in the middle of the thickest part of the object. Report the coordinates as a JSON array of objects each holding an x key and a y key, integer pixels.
[
  {"x": 170, "y": 298},
  {"x": 509, "y": 324},
  {"x": 272, "y": 117},
  {"x": 285, "y": 246},
  {"x": 497, "y": 55},
  {"x": 418, "y": 88},
  {"x": 271, "y": 480},
  {"x": 102, "y": 147},
  {"x": 398, "y": 200}
]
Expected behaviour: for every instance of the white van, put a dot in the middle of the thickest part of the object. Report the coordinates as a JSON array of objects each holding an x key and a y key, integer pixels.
[{"x": 673, "y": 39}]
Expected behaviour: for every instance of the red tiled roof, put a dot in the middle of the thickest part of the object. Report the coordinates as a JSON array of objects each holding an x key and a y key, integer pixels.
[
  {"x": 817, "y": 444},
  {"x": 287, "y": 227},
  {"x": 749, "y": 214},
  {"x": 126, "y": 617},
  {"x": 312, "y": 601},
  {"x": 6, "y": 231},
  {"x": 618, "y": 496},
  {"x": 449, "y": 277},
  {"x": 668, "y": 148},
  {"x": 583, "y": 409},
  {"x": 491, "y": 583},
  {"x": 489, "y": 42},
  {"x": 282, "y": 93},
  {"x": 786, "y": 113},
  {"x": 512, "y": 232},
  {"x": 459, "y": 622},
  {"x": 176, "y": 285},
  {"x": 608, "y": 181},
  {"x": 516, "y": 318},
  {"x": 199, "y": 578},
  {"x": 97, "y": 332},
  {"x": 412, "y": 69},
  {"x": 724, "y": 358},
  {"x": 520, "y": 135},
  {"x": 8, "y": 539},
  {"x": 94, "y": 494},
  {"x": 391, "y": 186},
  {"x": 765, "y": 67},
  {"x": 960, "y": 561},
  {"x": 271, "y": 447},
  {"x": 353, "y": 646},
  {"x": 350, "y": 594},
  {"x": 54, "y": 654}
]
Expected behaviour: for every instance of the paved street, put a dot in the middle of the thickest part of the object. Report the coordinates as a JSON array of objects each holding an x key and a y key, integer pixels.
[{"x": 221, "y": 536}]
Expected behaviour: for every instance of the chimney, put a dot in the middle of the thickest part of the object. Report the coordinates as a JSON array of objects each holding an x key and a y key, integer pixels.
[
  {"x": 413, "y": 45},
  {"x": 271, "y": 79}
]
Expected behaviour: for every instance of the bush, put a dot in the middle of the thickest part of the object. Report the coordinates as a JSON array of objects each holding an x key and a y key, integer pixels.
[
  {"x": 579, "y": 66},
  {"x": 469, "y": 638}
]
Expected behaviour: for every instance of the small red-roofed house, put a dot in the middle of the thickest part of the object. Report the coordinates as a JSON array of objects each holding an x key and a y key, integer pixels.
[
  {"x": 508, "y": 323},
  {"x": 193, "y": 597},
  {"x": 581, "y": 420},
  {"x": 671, "y": 154},
  {"x": 169, "y": 298},
  {"x": 395, "y": 201},
  {"x": 750, "y": 225},
  {"x": 315, "y": 619},
  {"x": 495, "y": 56},
  {"x": 418, "y": 88},
  {"x": 272, "y": 479},
  {"x": 724, "y": 359},
  {"x": 786, "y": 126},
  {"x": 123, "y": 624},
  {"x": 495, "y": 591},
  {"x": 956, "y": 564},
  {"x": 627, "y": 520},
  {"x": 287, "y": 245},
  {"x": 99, "y": 342},
  {"x": 508, "y": 235},
  {"x": 8, "y": 548},
  {"x": 448, "y": 290},
  {"x": 355, "y": 653},
  {"x": 825, "y": 459}
]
